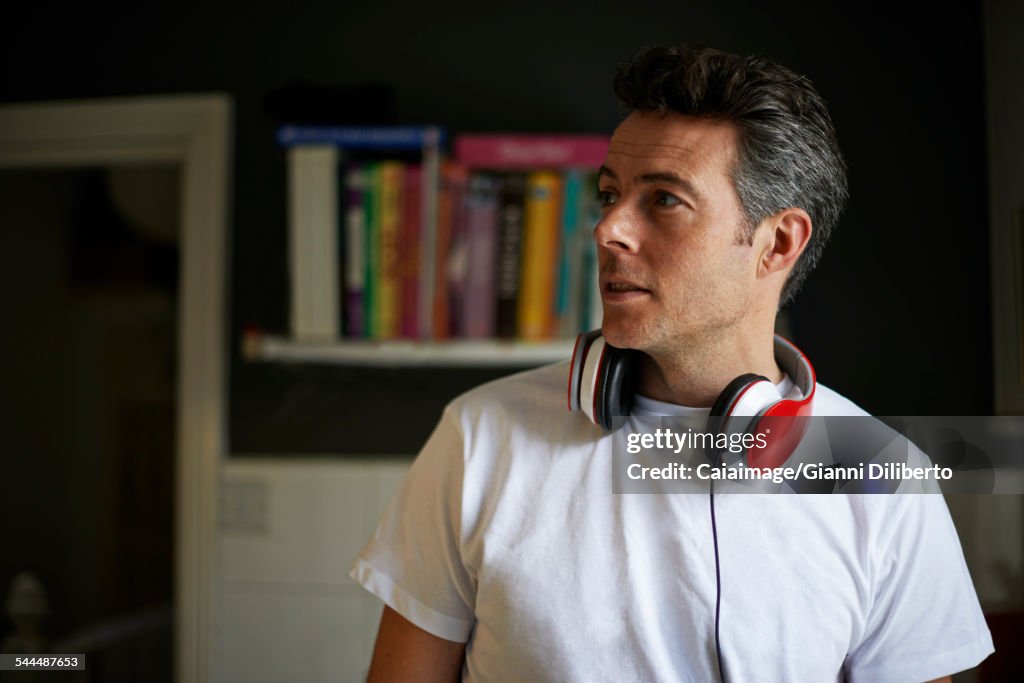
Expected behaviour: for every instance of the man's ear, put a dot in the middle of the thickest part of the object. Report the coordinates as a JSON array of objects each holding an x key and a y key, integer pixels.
[{"x": 786, "y": 236}]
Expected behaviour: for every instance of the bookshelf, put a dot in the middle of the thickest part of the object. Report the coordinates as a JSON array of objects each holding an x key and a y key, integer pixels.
[
  {"x": 330, "y": 262},
  {"x": 467, "y": 353}
]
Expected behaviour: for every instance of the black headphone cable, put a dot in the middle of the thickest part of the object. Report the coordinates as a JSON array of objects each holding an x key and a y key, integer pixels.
[{"x": 718, "y": 586}]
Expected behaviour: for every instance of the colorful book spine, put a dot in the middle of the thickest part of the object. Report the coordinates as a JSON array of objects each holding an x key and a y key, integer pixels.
[
  {"x": 371, "y": 244},
  {"x": 449, "y": 204},
  {"x": 430, "y": 163},
  {"x": 568, "y": 271},
  {"x": 457, "y": 266},
  {"x": 510, "y": 240},
  {"x": 541, "y": 230},
  {"x": 592, "y": 312},
  {"x": 354, "y": 251},
  {"x": 481, "y": 248},
  {"x": 525, "y": 152},
  {"x": 409, "y": 252},
  {"x": 388, "y": 300}
]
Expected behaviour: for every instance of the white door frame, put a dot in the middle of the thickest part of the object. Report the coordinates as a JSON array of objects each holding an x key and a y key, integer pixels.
[{"x": 195, "y": 133}]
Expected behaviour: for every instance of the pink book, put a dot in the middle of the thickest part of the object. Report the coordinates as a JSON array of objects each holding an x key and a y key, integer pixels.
[
  {"x": 478, "y": 303},
  {"x": 509, "y": 152}
]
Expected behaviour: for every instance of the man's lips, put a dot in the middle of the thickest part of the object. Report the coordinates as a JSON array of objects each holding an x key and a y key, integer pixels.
[
  {"x": 623, "y": 286},
  {"x": 615, "y": 289}
]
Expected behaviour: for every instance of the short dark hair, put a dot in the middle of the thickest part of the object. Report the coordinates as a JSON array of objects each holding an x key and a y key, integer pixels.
[{"x": 788, "y": 155}]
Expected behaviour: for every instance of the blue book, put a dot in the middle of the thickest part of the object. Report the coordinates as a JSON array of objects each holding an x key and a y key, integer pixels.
[
  {"x": 569, "y": 266},
  {"x": 363, "y": 138}
]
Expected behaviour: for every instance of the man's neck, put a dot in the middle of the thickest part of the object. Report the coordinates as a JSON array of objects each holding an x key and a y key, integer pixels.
[{"x": 697, "y": 372}]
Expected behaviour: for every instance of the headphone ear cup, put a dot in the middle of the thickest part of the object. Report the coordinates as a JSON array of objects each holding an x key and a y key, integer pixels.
[
  {"x": 601, "y": 379},
  {"x": 590, "y": 379},
  {"x": 579, "y": 357},
  {"x": 746, "y": 396},
  {"x": 723, "y": 406},
  {"x": 785, "y": 424},
  {"x": 616, "y": 385}
]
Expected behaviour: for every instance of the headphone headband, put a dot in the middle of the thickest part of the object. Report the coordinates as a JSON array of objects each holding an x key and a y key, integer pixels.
[{"x": 795, "y": 364}]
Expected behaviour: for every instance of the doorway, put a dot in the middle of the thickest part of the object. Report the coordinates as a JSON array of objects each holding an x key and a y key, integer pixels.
[
  {"x": 89, "y": 280},
  {"x": 135, "y": 313}
]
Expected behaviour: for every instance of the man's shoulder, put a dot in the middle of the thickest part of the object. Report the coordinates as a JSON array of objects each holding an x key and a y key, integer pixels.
[
  {"x": 829, "y": 402},
  {"x": 526, "y": 412},
  {"x": 544, "y": 388}
]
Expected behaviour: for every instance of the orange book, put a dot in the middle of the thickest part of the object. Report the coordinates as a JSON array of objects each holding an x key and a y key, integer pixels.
[{"x": 541, "y": 231}]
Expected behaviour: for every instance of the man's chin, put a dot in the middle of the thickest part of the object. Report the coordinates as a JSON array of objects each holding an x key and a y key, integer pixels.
[{"x": 622, "y": 336}]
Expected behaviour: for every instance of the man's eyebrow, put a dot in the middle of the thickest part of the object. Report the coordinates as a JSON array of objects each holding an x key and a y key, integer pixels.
[
  {"x": 671, "y": 179},
  {"x": 658, "y": 177}
]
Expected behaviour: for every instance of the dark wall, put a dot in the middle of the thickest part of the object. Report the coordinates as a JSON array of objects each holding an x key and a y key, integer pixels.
[{"x": 897, "y": 316}]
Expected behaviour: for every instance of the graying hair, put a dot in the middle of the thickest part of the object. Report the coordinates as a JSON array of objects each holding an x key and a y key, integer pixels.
[{"x": 788, "y": 155}]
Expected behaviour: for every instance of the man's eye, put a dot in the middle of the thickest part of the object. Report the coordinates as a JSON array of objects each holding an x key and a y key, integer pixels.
[
  {"x": 606, "y": 197},
  {"x": 662, "y": 198}
]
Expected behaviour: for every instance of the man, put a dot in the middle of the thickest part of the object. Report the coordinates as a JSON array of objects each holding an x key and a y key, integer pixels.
[{"x": 506, "y": 555}]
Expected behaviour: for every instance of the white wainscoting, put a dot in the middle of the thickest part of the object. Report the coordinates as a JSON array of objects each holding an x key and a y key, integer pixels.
[{"x": 289, "y": 531}]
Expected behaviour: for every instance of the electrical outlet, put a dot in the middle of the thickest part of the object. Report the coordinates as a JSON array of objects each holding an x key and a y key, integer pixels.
[{"x": 245, "y": 505}]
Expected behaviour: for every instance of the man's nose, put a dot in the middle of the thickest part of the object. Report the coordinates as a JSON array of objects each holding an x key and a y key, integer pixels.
[{"x": 617, "y": 229}]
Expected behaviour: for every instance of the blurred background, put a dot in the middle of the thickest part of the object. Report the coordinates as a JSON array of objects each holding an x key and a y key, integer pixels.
[{"x": 182, "y": 511}]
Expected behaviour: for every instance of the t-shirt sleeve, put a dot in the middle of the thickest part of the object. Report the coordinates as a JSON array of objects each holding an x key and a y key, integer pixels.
[
  {"x": 924, "y": 620},
  {"x": 413, "y": 562}
]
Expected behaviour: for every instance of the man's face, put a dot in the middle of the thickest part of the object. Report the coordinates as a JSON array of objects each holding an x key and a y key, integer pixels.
[{"x": 673, "y": 271}]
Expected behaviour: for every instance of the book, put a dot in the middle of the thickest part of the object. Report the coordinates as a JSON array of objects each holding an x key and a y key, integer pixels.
[
  {"x": 363, "y": 138},
  {"x": 530, "y": 152},
  {"x": 371, "y": 246},
  {"x": 592, "y": 306},
  {"x": 457, "y": 261},
  {"x": 542, "y": 216},
  {"x": 449, "y": 207},
  {"x": 578, "y": 285},
  {"x": 568, "y": 270},
  {"x": 410, "y": 234},
  {"x": 481, "y": 234},
  {"x": 354, "y": 251},
  {"x": 390, "y": 177},
  {"x": 510, "y": 239},
  {"x": 313, "y": 241},
  {"x": 430, "y": 163}
]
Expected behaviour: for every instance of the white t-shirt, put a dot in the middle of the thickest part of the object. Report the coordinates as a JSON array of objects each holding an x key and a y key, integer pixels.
[{"x": 506, "y": 535}]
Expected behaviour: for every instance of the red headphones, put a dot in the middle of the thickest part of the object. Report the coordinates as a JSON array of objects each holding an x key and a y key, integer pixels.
[{"x": 602, "y": 383}]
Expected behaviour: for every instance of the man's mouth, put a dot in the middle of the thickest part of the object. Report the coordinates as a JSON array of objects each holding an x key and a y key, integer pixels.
[
  {"x": 623, "y": 287},
  {"x": 622, "y": 291}
]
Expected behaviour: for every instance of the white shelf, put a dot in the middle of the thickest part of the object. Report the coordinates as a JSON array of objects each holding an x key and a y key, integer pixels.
[{"x": 409, "y": 353}]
